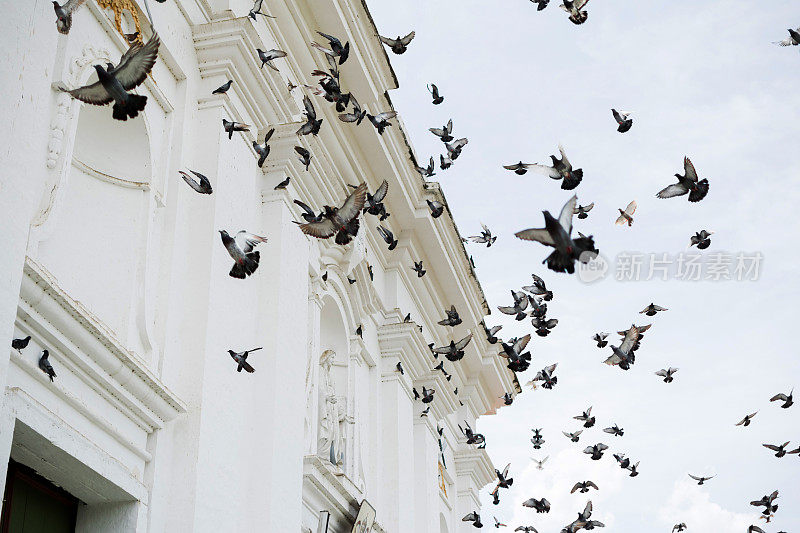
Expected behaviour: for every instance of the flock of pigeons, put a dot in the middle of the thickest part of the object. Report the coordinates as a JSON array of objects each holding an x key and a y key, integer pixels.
[{"x": 115, "y": 83}]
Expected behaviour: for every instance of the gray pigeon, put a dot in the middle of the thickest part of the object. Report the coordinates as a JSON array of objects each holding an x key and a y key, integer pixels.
[
  {"x": 241, "y": 249},
  {"x": 64, "y": 14},
  {"x": 304, "y": 156},
  {"x": 312, "y": 124},
  {"x": 337, "y": 49},
  {"x": 114, "y": 82},
  {"x": 561, "y": 169},
  {"x": 780, "y": 450},
  {"x": 667, "y": 373},
  {"x": 263, "y": 149},
  {"x": 342, "y": 222},
  {"x": 688, "y": 183},
  {"x": 45, "y": 366},
  {"x": 231, "y": 126},
  {"x": 203, "y": 186},
  {"x": 399, "y": 45},
  {"x": 746, "y": 420},
  {"x": 222, "y": 89},
  {"x": 241, "y": 360},
  {"x": 436, "y": 207},
  {"x": 268, "y": 56},
  {"x": 701, "y": 480},
  {"x": 701, "y": 239},
  {"x": 256, "y": 10},
  {"x": 434, "y": 90},
  {"x": 792, "y": 40},
  {"x": 557, "y": 234},
  {"x": 624, "y": 123},
  {"x": 787, "y": 400}
]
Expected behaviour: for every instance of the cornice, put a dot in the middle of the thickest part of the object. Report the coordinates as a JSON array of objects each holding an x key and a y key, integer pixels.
[{"x": 83, "y": 339}]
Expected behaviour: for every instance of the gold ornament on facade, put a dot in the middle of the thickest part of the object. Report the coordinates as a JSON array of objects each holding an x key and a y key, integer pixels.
[{"x": 118, "y": 6}]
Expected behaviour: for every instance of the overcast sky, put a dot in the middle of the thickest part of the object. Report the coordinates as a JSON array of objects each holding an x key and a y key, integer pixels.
[{"x": 702, "y": 79}]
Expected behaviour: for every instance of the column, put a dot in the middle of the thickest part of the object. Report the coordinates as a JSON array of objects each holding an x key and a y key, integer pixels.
[
  {"x": 426, "y": 475},
  {"x": 284, "y": 313},
  {"x": 396, "y": 506}
]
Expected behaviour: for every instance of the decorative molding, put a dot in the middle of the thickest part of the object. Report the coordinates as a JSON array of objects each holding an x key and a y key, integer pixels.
[
  {"x": 113, "y": 370},
  {"x": 128, "y": 183}
]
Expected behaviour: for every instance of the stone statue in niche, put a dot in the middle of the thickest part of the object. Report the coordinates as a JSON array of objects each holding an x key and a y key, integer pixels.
[{"x": 333, "y": 414}]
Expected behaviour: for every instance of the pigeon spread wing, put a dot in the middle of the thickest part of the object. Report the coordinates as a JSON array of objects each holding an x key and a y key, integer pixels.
[
  {"x": 248, "y": 241},
  {"x": 354, "y": 203},
  {"x": 536, "y": 234},
  {"x": 565, "y": 218},
  {"x": 671, "y": 191},
  {"x": 544, "y": 169},
  {"x": 688, "y": 167},
  {"x": 380, "y": 193}
]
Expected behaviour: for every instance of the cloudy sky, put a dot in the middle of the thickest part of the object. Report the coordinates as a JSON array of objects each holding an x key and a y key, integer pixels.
[{"x": 702, "y": 79}]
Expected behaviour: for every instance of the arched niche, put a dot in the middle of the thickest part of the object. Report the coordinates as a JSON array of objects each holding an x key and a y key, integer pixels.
[
  {"x": 443, "y": 524},
  {"x": 95, "y": 240}
]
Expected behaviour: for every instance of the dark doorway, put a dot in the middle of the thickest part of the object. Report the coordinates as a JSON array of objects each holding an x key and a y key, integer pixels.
[{"x": 31, "y": 504}]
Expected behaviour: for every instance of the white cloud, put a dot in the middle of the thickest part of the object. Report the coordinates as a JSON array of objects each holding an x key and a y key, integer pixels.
[{"x": 692, "y": 504}]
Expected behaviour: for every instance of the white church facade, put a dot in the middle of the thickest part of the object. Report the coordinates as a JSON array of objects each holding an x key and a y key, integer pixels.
[{"x": 112, "y": 264}]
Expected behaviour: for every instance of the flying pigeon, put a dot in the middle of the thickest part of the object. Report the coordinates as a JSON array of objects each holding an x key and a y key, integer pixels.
[
  {"x": 268, "y": 56},
  {"x": 557, "y": 234},
  {"x": 574, "y": 437},
  {"x": 342, "y": 222},
  {"x": 445, "y": 133},
  {"x": 701, "y": 239},
  {"x": 64, "y": 14},
  {"x": 381, "y": 120},
  {"x": 241, "y": 360},
  {"x": 20, "y": 344},
  {"x": 45, "y": 366},
  {"x": 427, "y": 395},
  {"x": 583, "y": 487},
  {"x": 336, "y": 48},
  {"x": 498, "y": 524},
  {"x": 527, "y": 528},
  {"x": 304, "y": 156},
  {"x": 114, "y": 82},
  {"x": 540, "y": 464},
  {"x": 473, "y": 517},
  {"x": 454, "y": 148},
  {"x": 540, "y": 4},
  {"x": 503, "y": 481},
  {"x": 513, "y": 351},
  {"x": 399, "y": 45},
  {"x": 781, "y": 450},
  {"x": 652, "y": 309},
  {"x": 418, "y": 269},
  {"x": 633, "y": 469},
  {"x": 222, "y": 89},
  {"x": 521, "y": 301},
  {"x": 471, "y": 436},
  {"x": 485, "y": 237},
  {"x": 624, "y": 353},
  {"x": 679, "y": 527},
  {"x": 455, "y": 350},
  {"x": 573, "y": 7},
  {"x": 746, "y": 420},
  {"x": 240, "y": 248},
  {"x": 491, "y": 332},
  {"x": 792, "y": 40},
  {"x": 546, "y": 376},
  {"x": 308, "y": 214},
  {"x": 600, "y": 339},
  {"x": 614, "y": 430},
  {"x": 452, "y": 318},
  {"x": 374, "y": 202},
  {"x": 445, "y": 162},
  {"x": 667, "y": 374},
  {"x": 495, "y": 496},
  {"x": 537, "y": 440},
  {"x": 520, "y": 168},
  {"x": 541, "y": 506},
  {"x": 561, "y": 169},
  {"x": 624, "y": 462},
  {"x": 357, "y": 115},
  {"x": 203, "y": 187},
  {"x": 787, "y": 400},
  {"x": 544, "y": 326},
  {"x": 700, "y": 479},
  {"x": 689, "y": 183},
  {"x": 623, "y": 121},
  {"x": 256, "y": 10},
  {"x": 388, "y": 237},
  {"x": 427, "y": 172},
  {"x": 434, "y": 90},
  {"x": 539, "y": 288},
  {"x": 586, "y": 417},
  {"x": 583, "y": 210},
  {"x": 263, "y": 150},
  {"x": 312, "y": 124},
  {"x": 626, "y": 215},
  {"x": 231, "y": 126}
]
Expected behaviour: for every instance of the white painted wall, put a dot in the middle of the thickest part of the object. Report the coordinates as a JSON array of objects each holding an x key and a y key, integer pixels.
[{"x": 115, "y": 266}]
